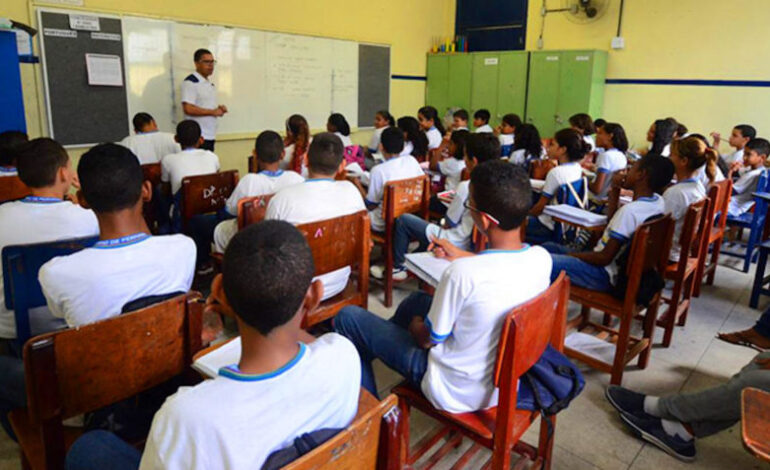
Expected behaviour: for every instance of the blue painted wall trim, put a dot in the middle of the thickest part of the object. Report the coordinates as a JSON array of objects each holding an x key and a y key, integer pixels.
[
  {"x": 723, "y": 83},
  {"x": 420, "y": 78}
]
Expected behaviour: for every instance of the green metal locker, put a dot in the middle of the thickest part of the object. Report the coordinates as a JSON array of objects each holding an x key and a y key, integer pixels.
[
  {"x": 543, "y": 91},
  {"x": 511, "y": 84},
  {"x": 437, "y": 86},
  {"x": 581, "y": 87},
  {"x": 484, "y": 93},
  {"x": 460, "y": 71}
]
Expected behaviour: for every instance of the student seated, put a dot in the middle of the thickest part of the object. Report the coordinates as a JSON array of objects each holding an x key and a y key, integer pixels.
[
  {"x": 660, "y": 135},
  {"x": 430, "y": 124},
  {"x": 415, "y": 141},
  {"x": 149, "y": 144},
  {"x": 481, "y": 121},
  {"x": 338, "y": 125},
  {"x": 446, "y": 344},
  {"x": 506, "y": 132},
  {"x": 527, "y": 146},
  {"x": 269, "y": 152},
  {"x": 395, "y": 168},
  {"x": 295, "y": 144},
  {"x": 754, "y": 155},
  {"x": 451, "y": 168},
  {"x": 191, "y": 161},
  {"x": 740, "y": 136},
  {"x": 673, "y": 422},
  {"x": 320, "y": 197},
  {"x": 286, "y": 383},
  {"x": 583, "y": 123},
  {"x": 126, "y": 263},
  {"x": 10, "y": 143},
  {"x": 598, "y": 269},
  {"x": 458, "y": 225},
  {"x": 569, "y": 148},
  {"x": 382, "y": 120},
  {"x": 687, "y": 155},
  {"x": 460, "y": 120},
  {"x": 612, "y": 138},
  {"x": 702, "y": 175}
]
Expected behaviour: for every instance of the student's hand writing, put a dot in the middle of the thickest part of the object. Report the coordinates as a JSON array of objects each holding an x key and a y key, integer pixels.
[
  {"x": 216, "y": 302},
  {"x": 443, "y": 248}
]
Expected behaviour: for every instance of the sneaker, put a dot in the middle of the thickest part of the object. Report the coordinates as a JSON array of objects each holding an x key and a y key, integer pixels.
[
  {"x": 378, "y": 272},
  {"x": 651, "y": 430},
  {"x": 626, "y": 401}
]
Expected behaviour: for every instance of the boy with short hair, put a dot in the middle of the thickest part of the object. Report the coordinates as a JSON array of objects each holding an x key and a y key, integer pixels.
[
  {"x": 457, "y": 227},
  {"x": 269, "y": 152},
  {"x": 320, "y": 197},
  {"x": 149, "y": 144},
  {"x": 598, "y": 269},
  {"x": 191, "y": 161},
  {"x": 447, "y": 344},
  {"x": 481, "y": 121},
  {"x": 460, "y": 120},
  {"x": 10, "y": 143},
  {"x": 740, "y": 136},
  {"x": 126, "y": 263},
  {"x": 755, "y": 153}
]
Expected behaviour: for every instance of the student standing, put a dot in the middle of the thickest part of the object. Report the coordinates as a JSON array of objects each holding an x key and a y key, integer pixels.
[
  {"x": 199, "y": 98},
  {"x": 148, "y": 143}
]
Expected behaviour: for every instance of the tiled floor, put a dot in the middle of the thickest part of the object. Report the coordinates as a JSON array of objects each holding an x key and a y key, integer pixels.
[{"x": 589, "y": 434}]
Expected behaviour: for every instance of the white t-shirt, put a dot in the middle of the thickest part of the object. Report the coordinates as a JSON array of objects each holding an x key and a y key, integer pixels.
[
  {"x": 609, "y": 162},
  {"x": 625, "y": 222},
  {"x": 678, "y": 199},
  {"x": 566, "y": 173},
  {"x": 408, "y": 148},
  {"x": 506, "y": 145},
  {"x": 395, "y": 169},
  {"x": 235, "y": 421},
  {"x": 374, "y": 142},
  {"x": 742, "y": 200},
  {"x": 704, "y": 179},
  {"x": 258, "y": 184},
  {"x": 434, "y": 138},
  {"x": 8, "y": 171},
  {"x": 736, "y": 156},
  {"x": 589, "y": 139},
  {"x": 151, "y": 147},
  {"x": 465, "y": 320},
  {"x": 199, "y": 91},
  {"x": 39, "y": 220},
  {"x": 346, "y": 142},
  {"x": 188, "y": 162},
  {"x": 458, "y": 218},
  {"x": 666, "y": 151},
  {"x": 520, "y": 156},
  {"x": 95, "y": 283},
  {"x": 313, "y": 201},
  {"x": 486, "y": 128},
  {"x": 452, "y": 168}
]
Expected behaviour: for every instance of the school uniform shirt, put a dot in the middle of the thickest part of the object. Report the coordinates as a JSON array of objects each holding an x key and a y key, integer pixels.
[
  {"x": 189, "y": 162},
  {"x": 704, "y": 179},
  {"x": 39, "y": 220},
  {"x": 678, "y": 199},
  {"x": 374, "y": 142},
  {"x": 589, "y": 139},
  {"x": 235, "y": 421},
  {"x": 313, "y": 201},
  {"x": 452, "y": 168},
  {"x": 408, "y": 149},
  {"x": 742, "y": 200},
  {"x": 506, "y": 145},
  {"x": 8, "y": 171},
  {"x": 666, "y": 151},
  {"x": 485, "y": 128},
  {"x": 95, "y": 283},
  {"x": 521, "y": 157},
  {"x": 625, "y": 222},
  {"x": 566, "y": 173},
  {"x": 609, "y": 162},
  {"x": 395, "y": 169},
  {"x": 736, "y": 156},
  {"x": 458, "y": 218},
  {"x": 465, "y": 319},
  {"x": 151, "y": 147},
  {"x": 199, "y": 91},
  {"x": 289, "y": 155},
  {"x": 346, "y": 142},
  {"x": 434, "y": 138}
]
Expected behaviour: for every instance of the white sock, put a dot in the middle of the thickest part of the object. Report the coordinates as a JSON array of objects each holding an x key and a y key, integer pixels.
[
  {"x": 675, "y": 428},
  {"x": 651, "y": 406}
]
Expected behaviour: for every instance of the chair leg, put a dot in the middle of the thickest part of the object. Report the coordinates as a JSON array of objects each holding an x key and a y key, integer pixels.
[
  {"x": 621, "y": 348},
  {"x": 700, "y": 270},
  {"x": 585, "y": 316},
  {"x": 714, "y": 259},
  {"x": 403, "y": 434},
  {"x": 544, "y": 444},
  {"x": 670, "y": 319},
  {"x": 689, "y": 287},
  {"x": 388, "y": 274},
  {"x": 648, "y": 332},
  {"x": 759, "y": 278}
]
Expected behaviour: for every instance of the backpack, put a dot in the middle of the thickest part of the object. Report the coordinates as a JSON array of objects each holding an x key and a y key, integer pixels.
[
  {"x": 354, "y": 154},
  {"x": 301, "y": 446},
  {"x": 651, "y": 283}
]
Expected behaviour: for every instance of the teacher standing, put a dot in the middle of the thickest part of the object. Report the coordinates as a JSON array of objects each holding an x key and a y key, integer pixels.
[{"x": 199, "y": 98}]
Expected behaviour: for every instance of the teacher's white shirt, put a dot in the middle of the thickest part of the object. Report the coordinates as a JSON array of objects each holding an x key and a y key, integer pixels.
[{"x": 199, "y": 91}]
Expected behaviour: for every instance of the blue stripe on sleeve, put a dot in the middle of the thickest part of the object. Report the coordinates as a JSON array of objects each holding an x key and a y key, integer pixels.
[
  {"x": 602, "y": 170},
  {"x": 617, "y": 236},
  {"x": 435, "y": 338}
]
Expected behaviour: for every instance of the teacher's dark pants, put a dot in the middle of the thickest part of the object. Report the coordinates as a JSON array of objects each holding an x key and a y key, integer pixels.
[{"x": 208, "y": 145}]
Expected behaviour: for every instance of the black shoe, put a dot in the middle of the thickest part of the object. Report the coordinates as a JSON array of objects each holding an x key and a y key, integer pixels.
[
  {"x": 651, "y": 430},
  {"x": 626, "y": 401}
]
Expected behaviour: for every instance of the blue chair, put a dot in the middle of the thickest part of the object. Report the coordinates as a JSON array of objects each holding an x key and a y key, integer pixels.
[
  {"x": 753, "y": 221},
  {"x": 21, "y": 264}
]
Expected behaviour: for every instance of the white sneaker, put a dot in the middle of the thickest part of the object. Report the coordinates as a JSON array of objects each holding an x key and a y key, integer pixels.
[{"x": 378, "y": 272}]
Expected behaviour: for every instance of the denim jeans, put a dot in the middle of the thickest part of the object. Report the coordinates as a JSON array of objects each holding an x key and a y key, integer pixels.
[
  {"x": 763, "y": 324},
  {"x": 98, "y": 450},
  {"x": 408, "y": 227},
  {"x": 387, "y": 340},
  {"x": 537, "y": 232},
  {"x": 12, "y": 390},
  {"x": 581, "y": 273}
]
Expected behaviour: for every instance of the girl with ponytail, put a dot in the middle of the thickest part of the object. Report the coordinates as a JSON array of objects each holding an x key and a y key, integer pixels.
[
  {"x": 431, "y": 125},
  {"x": 296, "y": 143}
]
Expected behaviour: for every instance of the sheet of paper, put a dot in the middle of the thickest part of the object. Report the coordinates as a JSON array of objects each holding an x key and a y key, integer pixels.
[
  {"x": 23, "y": 42},
  {"x": 104, "y": 70},
  {"x": 226, "y": 355},
  {"x": 537, "y": 185},
  {"x": 427, "y": 267},
  {"x": 591, "y": 346}
]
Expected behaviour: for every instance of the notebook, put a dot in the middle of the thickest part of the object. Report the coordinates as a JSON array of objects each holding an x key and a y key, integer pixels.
[
  {"x": 227, "y": 354},
  {"x": 426, "y": 266},
  {"x": 575, "y": 215}
]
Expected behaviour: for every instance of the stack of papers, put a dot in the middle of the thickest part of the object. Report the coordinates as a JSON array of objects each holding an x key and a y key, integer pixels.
[
  {"x": 537, "y": 185},
  {"x": 427, "y": 267},
  {"x": 226, "y": 355},
  {"x": 575, "y": 215}
]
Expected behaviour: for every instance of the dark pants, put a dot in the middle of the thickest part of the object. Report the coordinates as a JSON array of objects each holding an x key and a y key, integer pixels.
[
  {"x": 387, "y": 340},
  {"x": 97, "y": 450},
  {"x": 437, "y": 206},
  {"x": 408, "y": 227},
  {"x": 763, "y": 324},
  {"x": 208, "y": 145}
]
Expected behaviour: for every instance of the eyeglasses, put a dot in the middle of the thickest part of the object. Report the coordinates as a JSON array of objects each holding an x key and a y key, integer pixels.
[
  {"x": 468, "y": 206},
  {"x": 207, "y": 62}
]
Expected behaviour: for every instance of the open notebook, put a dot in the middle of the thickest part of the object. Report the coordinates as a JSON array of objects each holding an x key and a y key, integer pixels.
[
  {"x": 426, "y": 266},
  {"x": 575, "y": 215},
  {"x": 226, "y": 355}
]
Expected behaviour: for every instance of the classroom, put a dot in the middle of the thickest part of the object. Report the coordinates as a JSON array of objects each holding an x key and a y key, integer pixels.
[{"x": 442, "y": 234}]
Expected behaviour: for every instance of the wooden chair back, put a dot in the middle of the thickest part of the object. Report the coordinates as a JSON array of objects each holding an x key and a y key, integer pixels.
[
  {"x": 11, "y": 189},
  {"x": 651, "y": 245},
  {"x": 724, "y": 194},
  {"x": 78, "y": 370},
  {"x": 694, "y": 231},
  {"x": 152, "y": 173},
  {"x": 150, "y": 209},
  {"x": 407, "y": 196},
  {"x": 755, "y": 422},
  {"x": 252, "y": 210},
  {"x": 204, "y": 194}
]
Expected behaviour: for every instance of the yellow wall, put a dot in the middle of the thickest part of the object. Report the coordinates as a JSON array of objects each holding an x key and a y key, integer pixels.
[
  {"x": 675, "y": 39},
  {"x": 407, "y": 25}
]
